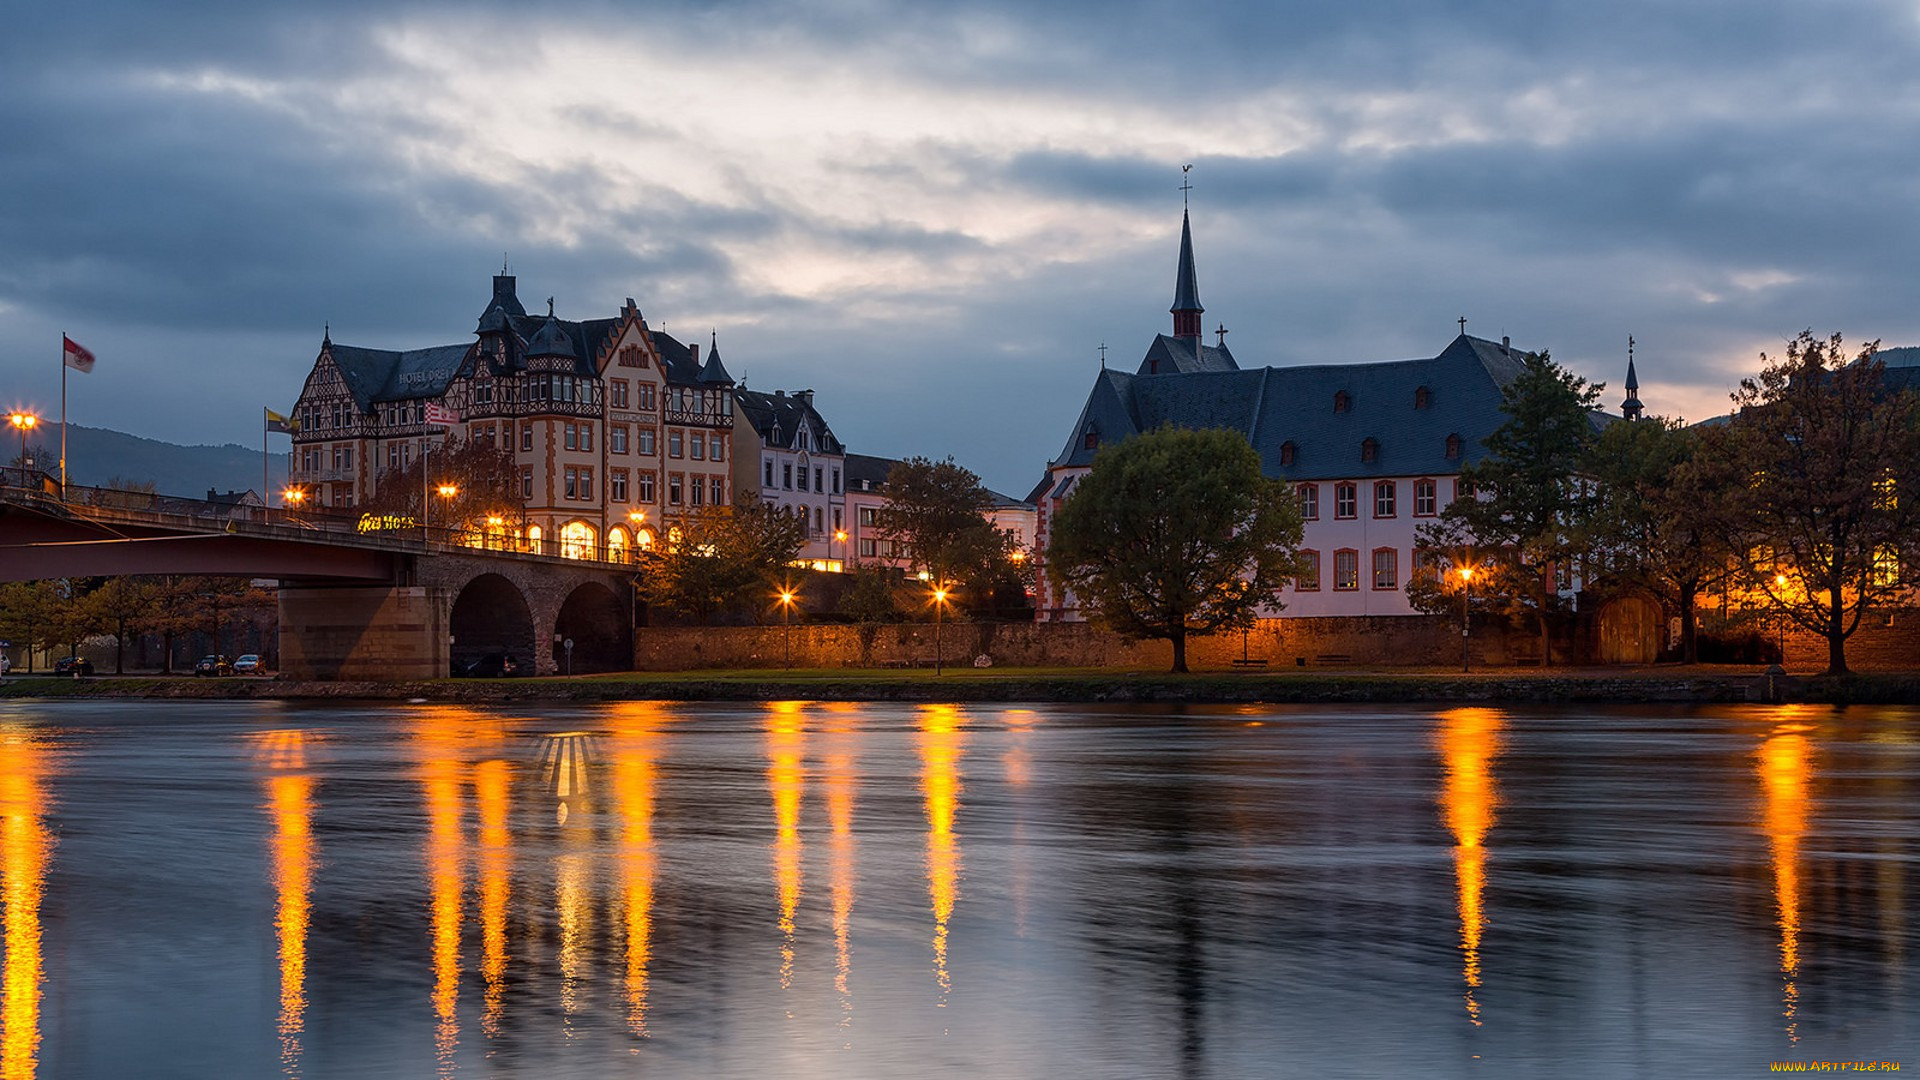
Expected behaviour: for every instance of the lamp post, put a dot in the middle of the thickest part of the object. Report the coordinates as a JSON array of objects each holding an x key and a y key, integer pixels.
[
  {"x": 23, "y": 422},
  {"x": 840, "y": 535},
  {"x": 446, "y": 491},
  {"x": 786, "y": 622},
  {"x": 939, "y": 606},
  {"x": 292, "y": 496},
  {"x": 1779, "y": 620},
  {"x": 1466, "y": 631}
]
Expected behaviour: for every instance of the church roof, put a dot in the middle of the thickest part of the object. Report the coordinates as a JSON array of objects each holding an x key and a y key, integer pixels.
[
  {"x": 1186, "y": 282},
  {"x": 1408, "y": 408},
  {"x": 779, "y": 416},
  {"x": 1171, "y": 355}
]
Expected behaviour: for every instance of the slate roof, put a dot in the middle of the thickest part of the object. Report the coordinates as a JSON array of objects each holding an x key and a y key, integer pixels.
[
  {"x": 676, "y": 359},
  {"x": 379, "y": 375},
  {"x": 1278, "y": 405},
  {"x": 871, "y": 469},
  {"x": 1174, "y": 356},
  {"x": 784, "y": 413},
  {"x": 1186, "y": 283}
]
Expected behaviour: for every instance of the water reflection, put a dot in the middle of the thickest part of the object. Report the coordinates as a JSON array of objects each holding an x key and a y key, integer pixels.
[
  {"x": 841, "y": 779},
  {"x": 438, "y": 739},
  {"x": 290, "y": 801},
  {"x": 941, "y": 742},
  {"x": 1017, "y": 763},
  {"x": 786, "y": 779},
  {"x": 1785, "y": 772},
  {"x": 1469, "y": 739},
  {"x": 636, "y": 741},
  {"x": 26, "y": 848},
  {"x": 491, "y": 789}
]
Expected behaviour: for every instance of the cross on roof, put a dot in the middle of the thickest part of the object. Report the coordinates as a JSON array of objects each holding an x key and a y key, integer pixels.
[
  {"x": 1103, "y": 354},
  {"x": 1463, "y": 324},
  {"x": 1222, "y": 331}
]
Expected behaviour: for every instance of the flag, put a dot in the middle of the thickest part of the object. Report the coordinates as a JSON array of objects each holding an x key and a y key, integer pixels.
[
  {"x": 77, "y": 357},
  {"x": 440, "y": 414},
  {"x": 276, "y": 422}
]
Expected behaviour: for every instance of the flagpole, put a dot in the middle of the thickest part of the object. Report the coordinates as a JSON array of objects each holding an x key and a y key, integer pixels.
[
  {"x": 266, "y": 479},
  {"x": 63, "y": 416}
]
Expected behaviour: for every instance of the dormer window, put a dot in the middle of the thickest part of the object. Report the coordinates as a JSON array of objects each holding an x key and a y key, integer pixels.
[
  {"x": 1453, "y": 448},
  {"x": 1369, "y": 450},
  {"x": 1286, "y": 452},
  {"x": 1342, "y": 401},
  {"x": 1092, "y": 438},
  {"x": 1422, "y": 397}
]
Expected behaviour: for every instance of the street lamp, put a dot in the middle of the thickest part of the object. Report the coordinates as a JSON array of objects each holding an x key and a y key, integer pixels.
[
  {"x": 1466, "y": 603},
  {"x": 445, "y": 491},
  {"x": 939, "y": 605},
  {"x": 292, "y": 496},
  {"x": 840, "y": 535},
  {"x": 25, "y": 422},
  {"x": 1779, "y": 617},
  {"x": 786, "y": 622}
]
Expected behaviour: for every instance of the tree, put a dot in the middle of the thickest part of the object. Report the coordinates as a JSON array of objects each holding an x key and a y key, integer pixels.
[
  {"x": 1656, "y": 519},
  {"x": 868, "y": 601},
  {"x": 1821, "y": 467},
  {"x": 1176, "y": 534},
  {"x": 937, "y": 511},
  {"x": 485, "y": 480},
  {"x": 724, "y": 557},
  {"x": 1523, "y": 522}
]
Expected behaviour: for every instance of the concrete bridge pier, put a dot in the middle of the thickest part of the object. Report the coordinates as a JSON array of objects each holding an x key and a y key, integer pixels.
[{"x": 369, "y": 632}]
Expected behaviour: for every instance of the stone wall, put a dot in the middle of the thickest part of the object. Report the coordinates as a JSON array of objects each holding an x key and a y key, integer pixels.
[
  {"x": 363, "y": 633},
  {"x": 1886, "y": 641},
  {"x": 1416, "y": 640}
]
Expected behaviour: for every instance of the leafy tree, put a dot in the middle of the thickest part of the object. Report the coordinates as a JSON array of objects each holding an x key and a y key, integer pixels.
[
  {"x": 937, "y": 511},
  {"x": 1176, "y": 534},
  {"x": 485, "y": 479},
  {"x": 1523, "y": 524},
  {"x": 725, "y": 557},
  {"x": 869, "y": 601},
  {"x": 1821, "y": 468},
  {"x": 1656, "y": 519}
]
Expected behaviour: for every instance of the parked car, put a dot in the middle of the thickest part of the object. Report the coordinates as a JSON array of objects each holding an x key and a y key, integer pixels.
[
  {"x": 72, "y": 665},
  {"x": 213, "y": 665},
  {"x": 492, "y": 666},
  {"x": 247, "y": 665}
]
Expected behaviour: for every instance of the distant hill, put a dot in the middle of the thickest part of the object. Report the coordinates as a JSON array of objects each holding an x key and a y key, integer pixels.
[{"x": 97, "y": 455}]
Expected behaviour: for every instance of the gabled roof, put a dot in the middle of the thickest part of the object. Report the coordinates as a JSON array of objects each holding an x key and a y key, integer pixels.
[
  {"x": 378, "y": 375},
  {"x": 1172, "y": 356},
  {"x": 1276, "y": 406},
  {"x": 872, "y": 470},
  {"x": 676, "y": 359},
  {"x": 778, "y": 417}
]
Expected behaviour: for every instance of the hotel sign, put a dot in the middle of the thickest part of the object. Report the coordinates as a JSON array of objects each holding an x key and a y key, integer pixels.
[{"x": 383, "y": 522}]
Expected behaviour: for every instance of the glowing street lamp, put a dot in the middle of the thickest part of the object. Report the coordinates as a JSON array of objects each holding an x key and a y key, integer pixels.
[
  {"x": 292, "y": 496},
  {"x": 786, "y": 622},
  {"x": 940, "y": 593},
  {"x": 1466, "y": 625},
  {"x": 840, "y": 537},
  {"x": 24, "y": 422},
  {"x": 445, "y": 491},
  {"x": 1780, "y": 622}
]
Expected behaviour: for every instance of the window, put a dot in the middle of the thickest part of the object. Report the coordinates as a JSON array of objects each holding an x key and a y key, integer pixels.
[
  {"x": 644, "y": 394},
  {"x": 819, "y": 521},
  {"x": 620, "y": 393},
  {"x": 836, "y": 482},
  {"x": 1286, "y": 452},
  {"x": 718, "y": 448},
  {"x": 617, "y": 438},
  {"x": 586, "y": 437},
  {"x": 1369, "y": 449},
  {"x": 1342, "y": 401},
  {"x": 1385, "y": 495},
  {"x": 1346, "y": 570},
  {"x": 587, "y": 490},
  {"x": 768, "y": 481},
  {"x": 644, "y": 441},
  {"x": 576, "y": 540},
  {"x": 676, "y": 446},
  {"x": 646, "y": 487},
  {"x": 526, "y": 437},
  {"x": 1422, "y": 397},
  {"x": 1453, "y": 448},
  {"x": 1886, "y": 565},
  {"x": 1346, "y": 501},
  {"x": 869, "y": 515},
  {"x": 1462, "y": 489},
  {"x": 699, "y": 492},
  {"x": 1427, "y": 565},
  {"x": 698, "y": 451},
  {"x": 571, "y": 439},
  {"x": 869, "y": 548},
  {"x": 786, "y": 475},
  {"x": 1309, "y": 501},
  {"x": 819, "y": 476},
  {"x": 1386, "y": 568},
  {"x": 674, "y": 487},
  {"x": 573, "y": 482},
  {"x": 802, "y": 478},
  {"x": 526, "y": 484},
  {"x": 1092, "y": 438},
  {"x": 618, "y": 480},
  {"x": 718, "y": 490},
  {"x": 1309, "y": 579},
  {"x": 1426, "y": 498}
]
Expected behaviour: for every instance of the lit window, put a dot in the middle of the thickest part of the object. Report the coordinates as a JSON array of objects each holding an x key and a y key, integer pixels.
[
  {"x": 576, "y": 540},
  {"x": 1386, "y": 568},
  {"x": 1309, "y": 577},
  {"x": 1346, "y": 570}
]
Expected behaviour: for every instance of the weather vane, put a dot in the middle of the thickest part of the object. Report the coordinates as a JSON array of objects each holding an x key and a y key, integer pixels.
[{"x": 1186, "y": 184}]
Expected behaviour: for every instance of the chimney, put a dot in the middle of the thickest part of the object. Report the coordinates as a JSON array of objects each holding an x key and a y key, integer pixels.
[
  {"x": 805, "y": 396},
  {"x": 694, "y": 351}
]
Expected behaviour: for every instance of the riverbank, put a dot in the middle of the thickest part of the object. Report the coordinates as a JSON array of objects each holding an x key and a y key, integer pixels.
[{"x": 1654, "y": 684}]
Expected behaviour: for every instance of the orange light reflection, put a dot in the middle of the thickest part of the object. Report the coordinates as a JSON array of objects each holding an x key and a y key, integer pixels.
[
  {"x": 842, "y": 779},
  {"x": 1784, "y": 774},
  {"x": 26, "y": 847},
  {"x": 941, "y": 742},
  {"x": 637, "y": 741},
  {"x": 1469, "y": 740},
  {"x": 290, "y": 800},
  {"x": 491, "y": 783},
  {"x": 786, "y": 779},
  {"x": 439, "y": 738}
]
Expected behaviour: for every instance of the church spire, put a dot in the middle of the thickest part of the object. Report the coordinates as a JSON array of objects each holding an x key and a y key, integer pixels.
[
  {"x": 1631, "y": 408},
  {"x": 1186, "y": 307}
]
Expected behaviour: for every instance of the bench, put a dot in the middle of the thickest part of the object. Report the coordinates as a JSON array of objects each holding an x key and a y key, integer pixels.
[
  {"x": 1333, "y": 658},
  {"x": 1258, "y": 661}
]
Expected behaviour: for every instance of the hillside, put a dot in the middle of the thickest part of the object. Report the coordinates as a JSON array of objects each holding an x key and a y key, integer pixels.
[{"x": 97, "y": 455}]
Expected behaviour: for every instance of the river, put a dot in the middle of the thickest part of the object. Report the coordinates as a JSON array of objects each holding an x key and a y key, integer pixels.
[{"x": 852, "y": 890}]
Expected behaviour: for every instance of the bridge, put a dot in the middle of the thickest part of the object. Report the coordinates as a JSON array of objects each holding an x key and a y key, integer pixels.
[{"x": 387, "y": 603}]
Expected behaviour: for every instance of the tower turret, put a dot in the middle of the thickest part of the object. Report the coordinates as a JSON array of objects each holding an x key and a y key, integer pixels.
[
  {"x": 1186, "y": 307},
  {"x": 1631, "y": 408}
]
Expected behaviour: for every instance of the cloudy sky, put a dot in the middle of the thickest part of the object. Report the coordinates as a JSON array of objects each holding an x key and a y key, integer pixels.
[{"x": 934, "y": 214}]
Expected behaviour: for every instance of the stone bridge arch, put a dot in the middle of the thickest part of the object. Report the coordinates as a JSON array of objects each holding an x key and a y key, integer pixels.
[{"x": 590, "y": 603}]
